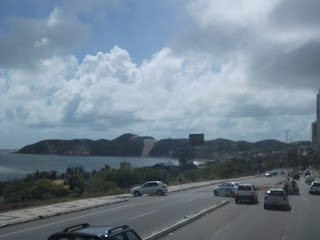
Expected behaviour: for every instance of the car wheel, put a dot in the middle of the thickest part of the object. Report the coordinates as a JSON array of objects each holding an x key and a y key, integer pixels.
[
  {"x": 231, "y": 194},
  {"x": 159, "y": 193},
  {"x": 216, "y": 193},
  {"x": 137, "y": 194}
]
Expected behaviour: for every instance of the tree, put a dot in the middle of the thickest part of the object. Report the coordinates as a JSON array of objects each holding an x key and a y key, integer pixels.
[
  {"x": 76, "y": 178},
  {"x": 16, "y": 191},
  {"x": 46, "y": 189},
  {"x": 185, "y": 156},
  {"x": 97, "y": 184}
]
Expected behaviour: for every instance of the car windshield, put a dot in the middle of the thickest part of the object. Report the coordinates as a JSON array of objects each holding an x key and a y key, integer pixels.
[{"x": 275, "y": 193}]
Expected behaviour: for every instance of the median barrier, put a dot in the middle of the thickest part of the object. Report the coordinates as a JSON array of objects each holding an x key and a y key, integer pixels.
[{"x": 183, "y": 222}]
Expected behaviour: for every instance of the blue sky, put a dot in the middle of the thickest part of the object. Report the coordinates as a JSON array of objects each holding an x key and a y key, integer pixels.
[
  {"x": 140, "y": 27},
  {"x": 232, "y": 69}
]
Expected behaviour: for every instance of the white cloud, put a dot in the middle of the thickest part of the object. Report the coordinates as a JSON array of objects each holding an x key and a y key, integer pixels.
[
  {"x": 29, "y": 41},
  {"x": 232, "y": 74}
]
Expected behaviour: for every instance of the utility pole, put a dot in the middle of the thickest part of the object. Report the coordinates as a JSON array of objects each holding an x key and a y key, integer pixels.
[{"x": 287, "y": 132}]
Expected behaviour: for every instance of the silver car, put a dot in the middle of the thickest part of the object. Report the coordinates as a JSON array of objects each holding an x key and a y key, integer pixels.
[
  {"x": 314, "y": 188},
  {"x": 227, "y": 189},
  {"x": 309, "y": 179},
  {"x": 276, "y": 197},
  {"x": 152, "y": 187}
]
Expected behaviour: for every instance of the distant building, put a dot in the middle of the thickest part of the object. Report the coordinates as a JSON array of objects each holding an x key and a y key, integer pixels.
[
  {"x": 316, "y": 128},
  {"x": 318, "y": 123},
  {"x": 314, "y": 135},
  {"x": 196, "y": 139},
  {"x": 125, "y": 165}
]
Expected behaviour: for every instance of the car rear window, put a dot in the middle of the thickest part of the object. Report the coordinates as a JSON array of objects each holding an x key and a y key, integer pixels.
[
  {"x": 244, "y": 187},
  {"x": 316, "y": 184},
  {"x": 275, "y": 193}
]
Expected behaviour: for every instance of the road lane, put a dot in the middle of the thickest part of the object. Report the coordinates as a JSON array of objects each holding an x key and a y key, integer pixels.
[
  {"x": 154, "y": 213},
  {"x": 246, "y": 221}
]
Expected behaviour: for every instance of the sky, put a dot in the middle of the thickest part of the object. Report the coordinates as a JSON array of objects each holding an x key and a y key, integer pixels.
[{"x": 233, "y": 69}]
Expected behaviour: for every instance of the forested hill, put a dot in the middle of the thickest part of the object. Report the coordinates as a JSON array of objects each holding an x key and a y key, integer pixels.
[
  {"x": 133, "y": 145},
  {"x": 125, "y": 145}
]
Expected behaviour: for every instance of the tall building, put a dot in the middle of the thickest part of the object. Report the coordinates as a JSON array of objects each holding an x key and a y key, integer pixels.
[
  {"x": 314, "y": 135},
  {"x": 318, "y": 123}
]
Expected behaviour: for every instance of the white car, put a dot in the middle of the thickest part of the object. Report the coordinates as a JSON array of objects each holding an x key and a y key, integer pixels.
[
  {"x": 315, "y": 188},
  {"x": 276, "y": 197},
  {"x": 268, "y": 174},
  {"x": 227, "y": 189},
  {"x": 152, "y": 187},
  {"x": 309, "y": 179},
  {"x": 246, "y": 192}
]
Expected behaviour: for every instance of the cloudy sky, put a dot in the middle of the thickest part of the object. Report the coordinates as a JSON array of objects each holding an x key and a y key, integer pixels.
[{"x": 234, "y": 69}]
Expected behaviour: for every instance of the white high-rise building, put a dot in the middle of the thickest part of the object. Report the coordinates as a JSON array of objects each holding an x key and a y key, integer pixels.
[
  {"x": 318, "y": 123},
  {"x": 314, "y": 134}
]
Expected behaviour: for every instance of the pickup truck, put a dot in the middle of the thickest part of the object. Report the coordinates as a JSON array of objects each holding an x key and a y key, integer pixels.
[{"x": 246, "y": 192}]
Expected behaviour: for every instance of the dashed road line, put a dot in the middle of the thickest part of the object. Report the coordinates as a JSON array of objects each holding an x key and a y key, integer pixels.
[{"x": 142, "y": 215}]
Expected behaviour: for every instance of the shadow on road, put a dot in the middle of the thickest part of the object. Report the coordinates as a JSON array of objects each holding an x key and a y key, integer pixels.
[{"x": 279, "y": 208}]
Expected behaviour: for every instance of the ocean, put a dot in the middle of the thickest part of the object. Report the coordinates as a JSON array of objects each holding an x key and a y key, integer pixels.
[{"x": 13, "y": 166}]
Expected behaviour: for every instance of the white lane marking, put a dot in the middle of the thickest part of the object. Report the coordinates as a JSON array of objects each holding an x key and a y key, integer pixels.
[
  {"x": 142, "y": 215},
  {"x": 66, "y": 220},
  {"x": 191, "y": 200},
  {"x": 222, "y": 229},
  {"x": 285, "y": 233}
]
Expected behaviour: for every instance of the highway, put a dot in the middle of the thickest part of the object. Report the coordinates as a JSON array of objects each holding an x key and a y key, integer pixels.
[
  {"x": 246, "y": 221},
  {"x": 150, "y": 213}
]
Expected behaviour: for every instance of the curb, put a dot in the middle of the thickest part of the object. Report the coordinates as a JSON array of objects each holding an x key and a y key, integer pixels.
[
  {"x": 184, "y": 222},
  {"x": 61, "y": 213},
  {"x": 214, "y": 183}
]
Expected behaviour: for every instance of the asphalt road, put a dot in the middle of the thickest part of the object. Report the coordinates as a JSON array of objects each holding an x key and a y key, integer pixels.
[
  {"x": 149, "y": 213},
  {"x": 245, "y": 221}
]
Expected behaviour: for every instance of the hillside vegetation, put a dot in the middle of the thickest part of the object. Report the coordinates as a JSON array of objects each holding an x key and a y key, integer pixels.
[{"x": 136, "y": 146}]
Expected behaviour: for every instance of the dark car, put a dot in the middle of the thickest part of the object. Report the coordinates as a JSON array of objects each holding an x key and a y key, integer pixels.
[
  {"x": 296, "y": 176},
  {"x": 86, "y": 232}
]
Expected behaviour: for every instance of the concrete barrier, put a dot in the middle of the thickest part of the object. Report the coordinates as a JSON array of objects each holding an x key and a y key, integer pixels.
[{"x": 183, "y": 222}]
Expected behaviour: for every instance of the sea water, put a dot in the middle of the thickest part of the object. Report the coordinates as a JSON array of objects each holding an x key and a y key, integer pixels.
[{"x": 14, "y": 165}]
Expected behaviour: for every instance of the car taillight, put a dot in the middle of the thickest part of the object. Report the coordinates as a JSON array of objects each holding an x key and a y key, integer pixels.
[{"x": 251, "y": 194}]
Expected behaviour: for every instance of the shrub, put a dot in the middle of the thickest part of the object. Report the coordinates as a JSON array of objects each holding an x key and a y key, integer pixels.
[
  {"x": 46, "y": 189},
  {"x": 16, "y": 191}
]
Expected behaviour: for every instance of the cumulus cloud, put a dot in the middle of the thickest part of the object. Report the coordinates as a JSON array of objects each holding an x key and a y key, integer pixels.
[
  {"x": 239, "y": 71},
  {"x": 166, "y": 94},
  {"x": 27, "y": 41}
]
